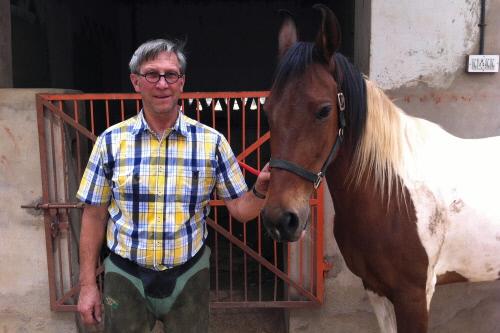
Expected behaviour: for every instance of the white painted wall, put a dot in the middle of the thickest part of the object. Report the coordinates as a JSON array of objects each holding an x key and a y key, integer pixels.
[{"x": 421, "y": 41}]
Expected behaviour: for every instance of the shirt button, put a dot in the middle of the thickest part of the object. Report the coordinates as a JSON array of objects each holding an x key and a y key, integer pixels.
[{"x": 158, "y": 243}]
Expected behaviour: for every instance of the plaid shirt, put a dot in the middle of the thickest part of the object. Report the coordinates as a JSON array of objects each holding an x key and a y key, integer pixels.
[{"x": 158, "y": 190}]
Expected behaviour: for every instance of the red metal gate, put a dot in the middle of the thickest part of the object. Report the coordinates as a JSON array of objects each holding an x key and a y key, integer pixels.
[{"x": 248, "y": 269}]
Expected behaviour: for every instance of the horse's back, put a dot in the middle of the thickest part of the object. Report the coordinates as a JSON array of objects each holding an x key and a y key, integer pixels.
[{"x": 456, "y": 193}]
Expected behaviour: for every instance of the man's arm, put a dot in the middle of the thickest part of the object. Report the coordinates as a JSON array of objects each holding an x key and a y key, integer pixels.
[
  {"x": 91, "y": 238},
  {"x": 249, "y": 205}
]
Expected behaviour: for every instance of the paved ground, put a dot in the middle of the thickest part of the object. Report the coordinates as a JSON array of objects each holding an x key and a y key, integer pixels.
[{"x": 243, "y": 321}]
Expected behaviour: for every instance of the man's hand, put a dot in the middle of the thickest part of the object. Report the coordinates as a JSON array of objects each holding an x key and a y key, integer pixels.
[
  {"x": 262, "y": 182},
  {"x": 89, "y": 304}
]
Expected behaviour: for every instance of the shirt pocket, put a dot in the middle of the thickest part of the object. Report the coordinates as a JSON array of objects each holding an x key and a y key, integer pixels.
[
  {"x": 125, "y": 183},
  {"x": 196, "y": 184}
]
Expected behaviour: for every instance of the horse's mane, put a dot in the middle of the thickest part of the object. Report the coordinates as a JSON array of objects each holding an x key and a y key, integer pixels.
[
  {"x": 374, "y": 122},
  {"x": 374, "y": 128},
  {"x": 379, "y": 150}
]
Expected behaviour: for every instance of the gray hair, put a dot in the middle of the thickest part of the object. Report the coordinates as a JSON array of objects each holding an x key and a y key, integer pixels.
[{"x": 151, "y": 49}]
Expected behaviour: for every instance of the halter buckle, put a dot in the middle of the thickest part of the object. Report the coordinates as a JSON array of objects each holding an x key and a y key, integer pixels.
[
  {"x": 318, "y": 180},
  {"x": 341, "y": 99}
]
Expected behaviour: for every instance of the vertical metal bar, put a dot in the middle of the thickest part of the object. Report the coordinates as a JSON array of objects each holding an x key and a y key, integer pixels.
[
  {"x": 65, "y": 162},
  {"x": 259, "y": 250},
  {"x": 70, "y": 243},
  {"x": 230, "y": 261},
  {"x": 78, "y": 154},
  {"x": 258, "y": 135},
  {"x": 243, "y": 145},
  {"x": 228, "y": 124},
  {"x": 213, "y": 119},
  {"x": 106, "y": 103},
  {"x": 301, "y": 261},
  {"x": 312, "y": 248},
  {"x": 288, "y": 251},
  {"x": 275, "y": 261},
  {"x": 216, "y": 250},
  {"x": 319, "y": 244},
  {"x": 42, "y": 145},
  {"x": 122, "y": 110},
  {"x": 245, "y": 271},
  {"x": 58, "y": 239},
  {"x": 197, "y": 109},
  {"x": 53, "y": 153},
  {"x": 92, "y": 123},
  {"x": 259, "y": 225}
]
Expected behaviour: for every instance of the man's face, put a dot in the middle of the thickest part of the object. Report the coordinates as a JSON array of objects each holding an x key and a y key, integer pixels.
[{"x": 160, "y": 97}]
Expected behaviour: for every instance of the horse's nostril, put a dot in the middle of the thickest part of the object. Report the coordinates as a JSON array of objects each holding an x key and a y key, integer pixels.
[{"x": 291, "y": 222}]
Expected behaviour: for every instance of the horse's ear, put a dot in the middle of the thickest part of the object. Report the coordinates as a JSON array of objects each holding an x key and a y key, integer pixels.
[
  {"x": 328, "y": 38},
  {"x": 288, "y": 32}
]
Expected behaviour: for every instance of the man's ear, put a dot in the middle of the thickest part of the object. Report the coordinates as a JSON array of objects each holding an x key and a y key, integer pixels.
[
  {"x": 183, "y": 78},
  {"x": 134, "y": 78}
]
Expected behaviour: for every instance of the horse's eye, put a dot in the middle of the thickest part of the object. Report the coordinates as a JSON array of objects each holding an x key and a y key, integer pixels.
[{"x": 324, "y": 112}]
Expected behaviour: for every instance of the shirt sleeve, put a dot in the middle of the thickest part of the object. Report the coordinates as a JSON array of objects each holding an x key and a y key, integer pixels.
[
  {"x": 230, "y": 181},
  {"x": 95, "y": 187}
]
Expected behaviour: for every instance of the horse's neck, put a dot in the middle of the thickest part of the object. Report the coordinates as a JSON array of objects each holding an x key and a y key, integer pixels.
[{"x": 338, "y": 173}]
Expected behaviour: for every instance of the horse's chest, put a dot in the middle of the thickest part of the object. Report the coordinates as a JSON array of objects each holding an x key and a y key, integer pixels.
[{"x": 379, "y": 241}]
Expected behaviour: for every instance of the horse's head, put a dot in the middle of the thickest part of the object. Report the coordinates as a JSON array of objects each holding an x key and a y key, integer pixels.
[{"x": 305, "y": 119}]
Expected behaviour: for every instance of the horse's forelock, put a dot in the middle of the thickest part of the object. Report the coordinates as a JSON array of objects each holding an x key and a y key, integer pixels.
[{"x": 293, "y": 64}]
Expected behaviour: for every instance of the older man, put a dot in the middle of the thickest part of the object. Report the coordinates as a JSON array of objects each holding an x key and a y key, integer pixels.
[{"x": 148, "y": 183}]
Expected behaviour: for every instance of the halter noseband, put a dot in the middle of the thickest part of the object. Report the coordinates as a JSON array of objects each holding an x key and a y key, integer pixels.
[{"x": 316, "y": 178}]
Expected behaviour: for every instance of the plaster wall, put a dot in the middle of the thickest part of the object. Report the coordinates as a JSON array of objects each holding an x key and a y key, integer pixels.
[
  {"x": 24, "y": 291},
  {"x": 417, "y": 53}
]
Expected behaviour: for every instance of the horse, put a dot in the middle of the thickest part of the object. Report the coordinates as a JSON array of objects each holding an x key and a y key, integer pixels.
[{"x": 414, "y": 205}]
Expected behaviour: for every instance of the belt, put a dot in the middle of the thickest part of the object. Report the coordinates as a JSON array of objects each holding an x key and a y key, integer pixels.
[{"x": 157, "y": 284}]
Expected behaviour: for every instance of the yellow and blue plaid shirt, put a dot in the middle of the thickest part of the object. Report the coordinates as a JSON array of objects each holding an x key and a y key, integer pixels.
[{"x": 158, "y": 190}]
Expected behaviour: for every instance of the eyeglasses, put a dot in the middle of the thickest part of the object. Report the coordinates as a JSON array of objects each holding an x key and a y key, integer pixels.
[{"x": 170, "y": 77}]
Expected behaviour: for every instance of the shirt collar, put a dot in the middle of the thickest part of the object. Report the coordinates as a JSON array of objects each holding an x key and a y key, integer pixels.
[{"x": 141, "y": 124}]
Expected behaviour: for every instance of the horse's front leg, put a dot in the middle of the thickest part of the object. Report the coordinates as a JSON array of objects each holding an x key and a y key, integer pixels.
[
  {"x": 384, "y": 311},
  {"x": 410, "y": 308},
  {"x": 406, "y": 314}
]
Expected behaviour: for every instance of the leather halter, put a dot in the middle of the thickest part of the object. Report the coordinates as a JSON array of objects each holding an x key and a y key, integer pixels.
[{"x": 316, "y": 178}]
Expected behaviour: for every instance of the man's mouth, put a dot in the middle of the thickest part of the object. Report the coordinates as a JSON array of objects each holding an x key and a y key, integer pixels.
[{"x": 163, "y": 97}]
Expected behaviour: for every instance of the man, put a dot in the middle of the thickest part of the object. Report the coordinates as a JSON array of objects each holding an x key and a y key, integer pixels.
[{"x": 149, "y": 179}]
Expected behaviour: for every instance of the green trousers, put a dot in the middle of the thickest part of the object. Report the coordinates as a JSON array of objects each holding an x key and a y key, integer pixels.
[{"x": 127, "y": 309}]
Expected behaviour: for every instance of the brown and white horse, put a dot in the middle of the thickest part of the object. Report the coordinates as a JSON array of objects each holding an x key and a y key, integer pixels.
[{"x": 414, "y": 205}]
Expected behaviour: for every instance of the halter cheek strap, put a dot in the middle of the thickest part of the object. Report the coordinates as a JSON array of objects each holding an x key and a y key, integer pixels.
[{"x": 312, "y": 177}]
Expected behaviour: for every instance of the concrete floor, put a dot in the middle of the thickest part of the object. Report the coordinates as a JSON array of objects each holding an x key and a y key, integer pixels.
[{"x": 243, "y": 321}]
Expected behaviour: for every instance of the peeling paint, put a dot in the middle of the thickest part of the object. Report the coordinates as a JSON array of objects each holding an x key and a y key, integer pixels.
[{"x": 11, "y": 136}]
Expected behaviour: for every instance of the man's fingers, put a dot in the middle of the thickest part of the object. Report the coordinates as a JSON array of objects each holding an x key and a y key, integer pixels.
[
  {"x": 88, "y": 316},
  {"x": 98, "y": 312}
]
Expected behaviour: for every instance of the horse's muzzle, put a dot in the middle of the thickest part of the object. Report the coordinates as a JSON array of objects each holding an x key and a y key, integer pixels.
[{"x": 283, "y": 226}]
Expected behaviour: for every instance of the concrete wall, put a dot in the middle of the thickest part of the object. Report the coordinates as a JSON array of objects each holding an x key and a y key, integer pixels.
[
  {"x": 417, "y": 53},
  {"x": 24, "y": 291}
]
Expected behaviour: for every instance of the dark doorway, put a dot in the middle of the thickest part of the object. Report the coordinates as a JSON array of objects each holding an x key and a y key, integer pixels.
[{"x": 86, "y": 44}]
